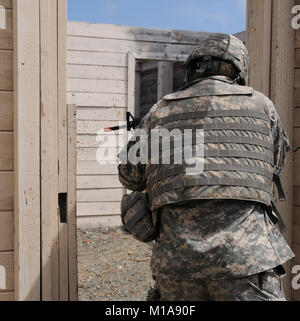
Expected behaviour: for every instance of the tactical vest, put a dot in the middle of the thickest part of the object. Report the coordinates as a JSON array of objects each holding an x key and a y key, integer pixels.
[{"x": 238, "y": 145}]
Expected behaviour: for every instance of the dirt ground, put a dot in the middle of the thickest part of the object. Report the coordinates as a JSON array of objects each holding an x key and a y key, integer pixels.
[{"x": 112, "y": 266}]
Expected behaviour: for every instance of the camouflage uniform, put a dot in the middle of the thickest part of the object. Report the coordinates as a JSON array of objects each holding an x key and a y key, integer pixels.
[{"x": 215, "y": 242}]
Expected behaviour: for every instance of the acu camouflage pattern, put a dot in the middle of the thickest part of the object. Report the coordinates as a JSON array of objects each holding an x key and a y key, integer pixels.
[
  {"x": 223, "y": 47},
  {"x": 212, "y": 95},
  {"x": 265, "y": 286},
  {"x": 216, "y": 239},
  {"x": 198, "y": 248},
  {"x": 137, "y": 218}
]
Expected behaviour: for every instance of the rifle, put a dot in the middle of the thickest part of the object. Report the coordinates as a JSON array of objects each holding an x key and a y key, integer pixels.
[{"x": 130, "y": 124}]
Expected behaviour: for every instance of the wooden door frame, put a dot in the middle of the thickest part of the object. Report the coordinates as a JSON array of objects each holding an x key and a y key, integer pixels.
[{"x": 133, "y": 58}]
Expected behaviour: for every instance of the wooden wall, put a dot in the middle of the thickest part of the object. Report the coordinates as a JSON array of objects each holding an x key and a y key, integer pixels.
[
  {"x": 97, "y": 61},
  {"x": 6, "y": 156},
  {"x": 270, "y": 40},
  {"x": 97, "y": 83},
  {"x": 37, "y": 155},
  {"x": 296, "y": 150}
]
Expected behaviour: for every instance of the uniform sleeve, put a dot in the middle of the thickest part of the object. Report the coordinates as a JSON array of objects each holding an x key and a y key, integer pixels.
[
  {"x": 281, "y": 141},
  {"x": 133, "y": 176}
]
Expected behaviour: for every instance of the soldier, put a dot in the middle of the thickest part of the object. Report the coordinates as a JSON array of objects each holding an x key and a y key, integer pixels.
[{"x": 217, "y": 239}]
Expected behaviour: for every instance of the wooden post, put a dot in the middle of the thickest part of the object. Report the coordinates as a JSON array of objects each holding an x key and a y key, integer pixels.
[
  {"x": 165, "y": 79},
  {"x": 270, "y": 41},
  {"x": 72, "y": 226},
  {"x": 27, "y": 149},
  {"x": 49, "y": 150},
  {"x": 258, "y": 41},
  {"x": 62, "y": 141},
  {"x": 282, "y": 94},
  {"x": 131, "y": 83}
]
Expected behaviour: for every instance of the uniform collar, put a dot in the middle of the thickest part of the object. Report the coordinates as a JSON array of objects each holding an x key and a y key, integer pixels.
[{"x": 211, "y": 86}]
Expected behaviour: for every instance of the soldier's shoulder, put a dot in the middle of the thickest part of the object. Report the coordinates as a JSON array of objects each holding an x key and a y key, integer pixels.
[{"x": 261, "y": 96}]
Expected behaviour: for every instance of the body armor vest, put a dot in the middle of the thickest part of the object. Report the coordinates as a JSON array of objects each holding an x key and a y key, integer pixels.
[{"x": 238, "y": 145}]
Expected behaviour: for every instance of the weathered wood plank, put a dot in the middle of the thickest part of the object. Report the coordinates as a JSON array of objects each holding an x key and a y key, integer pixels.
[
  {"x": 90, "y": 141},
  {"x": 165, "y": 79},
  {"x": 297, "y": 117},
  {"x": 100, "y": 195},
  {"x": 6, "y": 151},
  {"x": 297, "y": 195},
  {"x": 297, "y": 58},
  {"x": 72, "y": 225},
  {"x": 6, "y": 231},
  {"x": 90, "y": 154},
  {"x": 296, "y": 249},
  {"x": 98, "y": 208},
  {"x": 6, "y": 296},
  {"x": 98, "y": 181},
  {"x": 6, "y": 271},
  {"x": 97, "y": 99},
  {"x": 131, "y": 84},
  {"x": 96, "y": 113},
  {"x": 6, "y": 70},
  {"x": 133, "y": 33},
  {"x": 296, "y": 234},
  {"x": 26, "y": 23},
  {"x": 8, "y": 4},
  {"x": 96, "y": 72},
  {"x": 97, "y": 86},
  {"x": 98, "y": 221},
  {"x": 6, "y": 191},
  {"x": 297, "y": 215},
  {"x": 94, "y": 168},
  {"x": 123, "y": 46},
  {"x": 6, "y": 35},
  {"x": 62, "y": 98},
  {"x": 62, "y": 143},
  {"x": 297, "y": 75},
  {"x": 94, "y": 126},
  {"x": 49, "y": 152},
  {"x": 296, "y": 142},
  {"x": 6, "y": 111},
  {"x": 96, "y": 58},
  {"x": 297, "y": 97},
  {"x": 258, "y": 41},
  {"x": 297, "y": 168}
]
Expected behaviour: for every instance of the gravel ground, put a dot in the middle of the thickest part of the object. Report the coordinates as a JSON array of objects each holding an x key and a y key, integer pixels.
[{"x": 112, "y": 266}]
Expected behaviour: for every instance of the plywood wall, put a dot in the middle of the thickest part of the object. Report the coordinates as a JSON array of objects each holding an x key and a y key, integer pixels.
[{"x": 6, "y": 156}]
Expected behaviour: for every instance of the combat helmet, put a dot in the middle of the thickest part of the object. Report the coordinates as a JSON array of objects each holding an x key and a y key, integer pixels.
[{"x": 216, "y": 48}]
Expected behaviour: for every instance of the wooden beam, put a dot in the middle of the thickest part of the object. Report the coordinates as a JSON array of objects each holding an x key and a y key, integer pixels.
[
  {"x": 6, "y": 231},
  {"x": 49, "y": 150},
  {"x": 258, "y": 42},
  {"x": 165, "y": 79},
  {"x": 131, "y": 83},
  {"x": 282, "y": 94},
  {"x": 6, "y": 111},
  {"x": 61, "y": 93},
  {"x": 27, "y": 149},
  {"x": 62, "y": 142},
  {"x": 72, "y": 227}
]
